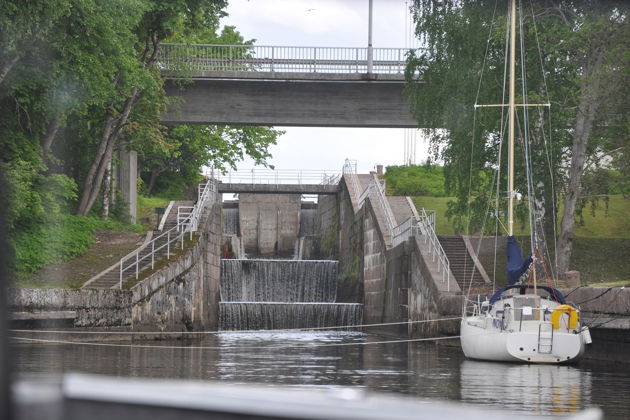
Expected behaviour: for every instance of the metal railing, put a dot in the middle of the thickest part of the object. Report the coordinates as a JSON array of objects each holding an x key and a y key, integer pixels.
[
  {"x": 209, "y": 57},
  {"x": 426, "y": 227},
  {"x": 280, "y": 176},
  {"x": 378, "y": 187},
  {"x": 350, "y": 169},
  {"x": 187, "y": 222}
]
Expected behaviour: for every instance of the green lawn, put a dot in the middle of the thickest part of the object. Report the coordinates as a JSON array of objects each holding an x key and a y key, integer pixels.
[
  {"x": 601, "y": 250},
  {"x": 614, "y": 223}
]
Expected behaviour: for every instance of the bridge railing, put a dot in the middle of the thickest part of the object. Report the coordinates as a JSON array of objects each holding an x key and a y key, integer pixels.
[
  {"x": 210, "y": 57},
  {"x": 280, "y": 176}
]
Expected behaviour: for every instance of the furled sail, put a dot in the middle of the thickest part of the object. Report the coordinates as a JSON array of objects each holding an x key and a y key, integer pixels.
[{"x": 517, "y": 265}]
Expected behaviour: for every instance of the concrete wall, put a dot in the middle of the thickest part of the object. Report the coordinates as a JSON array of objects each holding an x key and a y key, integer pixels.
[
  {"x": 374, "y": 268},
  {"x": 91, "y": 307},
  {"x": 321, "y": 103},
  {"x": 349, "y": 246},
  {"x": 184, "y": 295},
  {"x": 269, "y": 223}
]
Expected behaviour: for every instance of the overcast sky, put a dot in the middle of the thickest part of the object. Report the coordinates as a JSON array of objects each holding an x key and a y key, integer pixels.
[{"x": 329, "y": 23}]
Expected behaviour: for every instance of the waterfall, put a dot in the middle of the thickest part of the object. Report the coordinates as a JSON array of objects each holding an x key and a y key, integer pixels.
[
  {"x": 307, "y": 222},
  {"x": 230, "y": 221},
  {"x": 278, "y": 281},
  {"x": 281, "y": 315},
  {"x": 280, "y": 294}
]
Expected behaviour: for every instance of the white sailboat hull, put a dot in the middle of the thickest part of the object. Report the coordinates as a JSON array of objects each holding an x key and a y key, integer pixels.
[{"x": 519, "y": 346}]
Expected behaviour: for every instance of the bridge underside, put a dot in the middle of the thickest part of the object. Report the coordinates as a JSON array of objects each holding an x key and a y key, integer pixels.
[
  {"x": 319, "y": 189},
  {"x": 313, "y": 102}
]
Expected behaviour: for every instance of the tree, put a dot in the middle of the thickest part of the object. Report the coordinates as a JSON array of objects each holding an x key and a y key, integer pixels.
[
  {"x": 580, "y": 47},
  {"x": 188, "y": 148}
]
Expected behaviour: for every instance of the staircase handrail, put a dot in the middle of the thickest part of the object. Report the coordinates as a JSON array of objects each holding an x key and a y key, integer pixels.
[
  {"x": 426, "y": 227},
  {"x": 387, "y": 209},
  {"x": 188, "y": 223}
]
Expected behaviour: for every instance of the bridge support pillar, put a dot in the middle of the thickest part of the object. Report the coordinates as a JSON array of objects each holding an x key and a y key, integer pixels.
[{"x": 128, "y": 180}]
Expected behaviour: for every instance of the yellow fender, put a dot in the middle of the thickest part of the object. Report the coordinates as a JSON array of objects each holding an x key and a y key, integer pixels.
[{"x": 564, "y": 309}]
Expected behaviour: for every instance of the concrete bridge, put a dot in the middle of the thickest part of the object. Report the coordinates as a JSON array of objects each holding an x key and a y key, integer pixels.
[{"x": 286, "y": 86}]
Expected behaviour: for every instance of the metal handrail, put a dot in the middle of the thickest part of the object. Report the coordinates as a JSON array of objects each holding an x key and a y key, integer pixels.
[
  {"x": 424, "y": 225},
  {"x": 350, "y": 169},
  {"x": 263, "y": 58},
  {"x": 187, "y": 222},
  {"x": 387, "y": 209},
  {"x": 279, "y": 176}
]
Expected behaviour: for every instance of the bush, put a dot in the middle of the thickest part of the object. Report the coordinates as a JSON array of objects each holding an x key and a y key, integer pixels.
[
  {"x": 61, "y": 238},
  {"x": 416, "y": 180}
]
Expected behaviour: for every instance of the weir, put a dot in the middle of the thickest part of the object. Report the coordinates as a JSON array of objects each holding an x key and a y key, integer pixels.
[{"x": 279, "y": 294}]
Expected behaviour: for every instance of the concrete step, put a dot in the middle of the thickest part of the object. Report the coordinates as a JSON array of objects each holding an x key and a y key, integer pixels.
[{"x": 461, "y": 263}]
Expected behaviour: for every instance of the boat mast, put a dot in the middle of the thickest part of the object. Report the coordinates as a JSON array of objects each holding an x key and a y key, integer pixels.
[{"x": 512, "y": 116}]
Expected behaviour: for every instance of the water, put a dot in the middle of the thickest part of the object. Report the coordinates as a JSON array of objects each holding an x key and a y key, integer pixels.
[
  {"x": 307, "y": 222},
  {"x": 278, "y": 281},
  {"x": 230, "y": 222},
  {"x": 331, "y": 360},
  {"x": 281, "y": 315}
]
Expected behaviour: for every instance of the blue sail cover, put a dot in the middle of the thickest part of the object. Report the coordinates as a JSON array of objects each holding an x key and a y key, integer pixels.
[{"x": 516, "y": 265}]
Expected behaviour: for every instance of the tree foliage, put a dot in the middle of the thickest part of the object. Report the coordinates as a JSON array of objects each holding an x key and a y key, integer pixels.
[
  {"x": 576, "y": 56},
  {"x": 79, "y": 81}
]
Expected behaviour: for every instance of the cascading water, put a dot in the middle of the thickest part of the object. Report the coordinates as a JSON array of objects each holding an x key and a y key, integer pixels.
[
  {"x": 278, "y": 281},
  {"x": 307, "y": 222},
  {"x": 278, "y": 294},
  {"x": 230, "y": 221}
]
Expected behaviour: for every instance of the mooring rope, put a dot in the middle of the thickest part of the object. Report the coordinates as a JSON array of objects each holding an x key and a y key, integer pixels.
[
  {"x": 232, "y": 331},
  {"x": 307, "y": 346}
]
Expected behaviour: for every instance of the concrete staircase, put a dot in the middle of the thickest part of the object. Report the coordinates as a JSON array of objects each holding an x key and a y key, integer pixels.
[
  {"x": 401, "y": 208},
  {"x": 462, "y": 264},
  {"x": 110, "y": 278}
]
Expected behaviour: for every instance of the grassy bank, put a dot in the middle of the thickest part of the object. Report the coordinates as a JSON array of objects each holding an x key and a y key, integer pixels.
[{"x": 613, "y": 222}]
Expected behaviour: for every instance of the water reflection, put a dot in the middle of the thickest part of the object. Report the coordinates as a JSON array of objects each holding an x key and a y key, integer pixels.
[
  {"x": 330, "y": 360},
  {"x": 543, "y": 389}
]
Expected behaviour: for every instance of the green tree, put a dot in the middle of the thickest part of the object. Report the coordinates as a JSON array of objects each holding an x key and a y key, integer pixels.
[
  {"x": 188, "y": 148},
  {"x": 582, "y": 49}
]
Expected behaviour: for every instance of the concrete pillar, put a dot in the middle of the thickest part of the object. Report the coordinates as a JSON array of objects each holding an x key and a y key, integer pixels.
[{"x": 128, "y": 180}]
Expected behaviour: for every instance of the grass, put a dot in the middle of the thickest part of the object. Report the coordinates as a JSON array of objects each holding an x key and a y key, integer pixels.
[
  {"x": 146, "y": 209},
  {"x": 598, "y": 223},
  {"x": 601, "y": 246}
]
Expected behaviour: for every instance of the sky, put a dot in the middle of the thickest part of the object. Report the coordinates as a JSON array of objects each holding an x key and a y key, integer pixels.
[{"x": 327, "y": 23}]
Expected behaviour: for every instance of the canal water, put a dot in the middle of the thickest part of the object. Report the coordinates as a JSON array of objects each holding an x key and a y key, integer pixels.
[{"x": 330, "y": 360}]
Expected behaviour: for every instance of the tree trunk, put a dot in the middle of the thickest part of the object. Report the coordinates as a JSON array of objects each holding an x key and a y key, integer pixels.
[
  {"x": 107, "y": 189},
  {"x": 155, "y": 173},
  {"x": 589, "y": 103},
  {"x": 8, "y": 66},
  {"x": 48, "y": 137},
  {"x": 111, "y": 132}
]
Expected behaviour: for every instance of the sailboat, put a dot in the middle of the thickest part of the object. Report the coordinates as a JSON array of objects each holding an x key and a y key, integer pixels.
[{"x": 521, "y": 322}]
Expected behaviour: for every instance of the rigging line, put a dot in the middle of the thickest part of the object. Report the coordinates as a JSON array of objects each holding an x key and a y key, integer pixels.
[
  {"x": 472, "y": 147},
  {"x": 542, "y": 68},
  {"x": 240, "y": 331},
  {"x": 225, "y": 347},
  {"x": 485, "y": 56},
  {"x": 527, "y": 151},
  {"x": 501, "y": 137},
  {"x": 579, "y": 287},
  {"x": 547, "y": 152},
  {"x": 600, "y": 295}
]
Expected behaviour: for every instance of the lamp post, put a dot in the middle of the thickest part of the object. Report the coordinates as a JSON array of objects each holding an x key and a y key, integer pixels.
[{"x": 369, "y": 52}]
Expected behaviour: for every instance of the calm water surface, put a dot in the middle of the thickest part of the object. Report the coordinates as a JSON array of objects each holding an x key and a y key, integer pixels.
[{"x": 327, "y": 360}]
